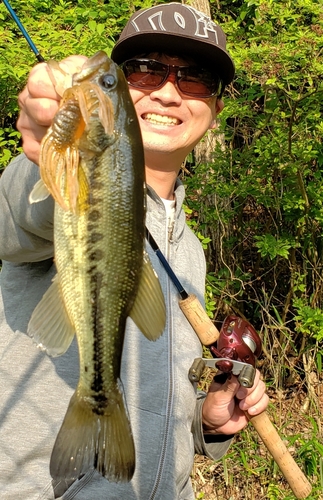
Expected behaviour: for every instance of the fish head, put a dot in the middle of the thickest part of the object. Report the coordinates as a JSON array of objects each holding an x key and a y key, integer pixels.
[
  {"x": 102, "y": 71},
  {"x": 93, "y": 68},
  {"x": 109, "y": 77}
]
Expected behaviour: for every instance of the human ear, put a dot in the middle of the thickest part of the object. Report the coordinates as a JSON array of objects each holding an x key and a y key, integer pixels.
[{"x": 219, "y": 105}]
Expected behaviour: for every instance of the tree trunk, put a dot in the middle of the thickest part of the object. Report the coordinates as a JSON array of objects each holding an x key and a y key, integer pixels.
[
  {"x": 204, "y": 153},
  {"x": 204, "y": 149}
]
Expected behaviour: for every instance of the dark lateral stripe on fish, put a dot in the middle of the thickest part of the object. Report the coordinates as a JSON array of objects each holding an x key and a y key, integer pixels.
[
  {"x": 97, "y": 384},
  {"x": 94, "y": 215},
  {"x": 96, "y": 255},
  {"x": 95, "y": 237}
]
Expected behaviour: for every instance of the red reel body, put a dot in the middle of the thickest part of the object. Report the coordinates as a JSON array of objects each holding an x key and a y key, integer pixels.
[{"x": 238, "y": 341}]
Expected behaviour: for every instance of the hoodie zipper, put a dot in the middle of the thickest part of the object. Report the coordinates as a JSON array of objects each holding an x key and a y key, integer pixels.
[{"x": 169, "y": 238}]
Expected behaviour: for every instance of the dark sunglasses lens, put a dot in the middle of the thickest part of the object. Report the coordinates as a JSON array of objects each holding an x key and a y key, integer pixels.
[
  {"x": 145, "y": 74},
  {"x": 196, "y": 82},
  {"x": 149, "y": 74}
]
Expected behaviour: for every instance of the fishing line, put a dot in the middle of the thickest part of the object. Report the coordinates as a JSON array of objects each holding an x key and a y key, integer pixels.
[{"x": 23, "y": 31}]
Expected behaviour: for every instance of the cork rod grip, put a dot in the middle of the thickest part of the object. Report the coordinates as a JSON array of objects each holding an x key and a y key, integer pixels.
[
  {"x": 208, "y": 334},
  {"x": 274, "y": 444},
  {"x": 199, "y": 320}
]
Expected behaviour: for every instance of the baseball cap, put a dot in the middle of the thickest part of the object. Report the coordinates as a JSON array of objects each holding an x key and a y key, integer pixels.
[{"x": 178, "y": 29}]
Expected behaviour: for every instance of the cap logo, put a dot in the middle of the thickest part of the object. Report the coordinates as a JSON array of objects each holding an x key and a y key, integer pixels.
[{"x": 189, "y": 20}]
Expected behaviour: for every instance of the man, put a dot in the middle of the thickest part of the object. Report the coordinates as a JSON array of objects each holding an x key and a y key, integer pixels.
[{"x": 175, "y": 107}]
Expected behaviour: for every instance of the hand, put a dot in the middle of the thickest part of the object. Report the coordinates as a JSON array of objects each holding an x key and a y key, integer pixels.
[
  {"x": 39, "y": 102},
  {"x": 225, "y": 405}
]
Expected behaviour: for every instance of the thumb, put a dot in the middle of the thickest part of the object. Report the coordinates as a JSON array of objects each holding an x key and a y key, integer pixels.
[
  {"x": 226, "y": 386},
  {"x": 73, "y": 64},
  {"x": 60, "y": 73}
]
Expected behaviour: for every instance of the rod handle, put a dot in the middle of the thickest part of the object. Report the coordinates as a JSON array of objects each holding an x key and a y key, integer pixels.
[
  {"x": 199, "y": 320},
  {"x": 274, "y": 444},
  {"x": 208, "y": 334}
]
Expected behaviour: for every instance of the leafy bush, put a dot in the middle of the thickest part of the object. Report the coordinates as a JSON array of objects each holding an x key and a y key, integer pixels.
[
  {"x": 76, "y": 27},
  {"x": 260, "y": 199}
]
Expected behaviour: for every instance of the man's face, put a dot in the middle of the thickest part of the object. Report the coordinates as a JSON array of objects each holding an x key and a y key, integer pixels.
[{"x": 170, "y": 121}]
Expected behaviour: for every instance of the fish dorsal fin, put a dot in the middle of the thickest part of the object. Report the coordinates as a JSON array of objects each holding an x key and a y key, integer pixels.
[
  {"x": 149, "y": 311},
  {"x": 49, "y": 325}
]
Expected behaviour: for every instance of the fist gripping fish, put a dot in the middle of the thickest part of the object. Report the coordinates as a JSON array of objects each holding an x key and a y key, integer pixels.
[{"x": 92, "y": 163}]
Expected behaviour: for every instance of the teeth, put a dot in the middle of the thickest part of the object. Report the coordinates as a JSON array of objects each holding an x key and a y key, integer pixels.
[{"x": 165, "y": 120}]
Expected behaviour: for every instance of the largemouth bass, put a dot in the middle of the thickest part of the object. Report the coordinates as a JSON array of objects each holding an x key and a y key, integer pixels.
[{"x": 92, "y": 163}]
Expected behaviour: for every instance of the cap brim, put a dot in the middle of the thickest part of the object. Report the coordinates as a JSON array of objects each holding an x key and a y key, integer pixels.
[{"x": 209, "y": 56}]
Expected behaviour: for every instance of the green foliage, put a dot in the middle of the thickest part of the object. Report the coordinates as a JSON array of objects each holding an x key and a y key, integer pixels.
[
  {"x": 311, "y": 453},
  {"x": 309, "y": 320},
  {"x": 260, "y": 199},
  {"x": 58, "y": 28},
  {"x": 269, "y": 246}
]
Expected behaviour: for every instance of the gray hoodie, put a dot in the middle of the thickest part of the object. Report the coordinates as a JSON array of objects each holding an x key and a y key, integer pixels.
[{"x": 164, "y": 408}]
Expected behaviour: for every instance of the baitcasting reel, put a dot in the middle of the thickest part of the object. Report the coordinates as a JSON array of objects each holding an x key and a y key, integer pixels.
[{"x": 235, "y": 351}]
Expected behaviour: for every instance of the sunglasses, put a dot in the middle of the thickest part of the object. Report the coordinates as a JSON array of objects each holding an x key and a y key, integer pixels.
[{"x": 148, "y": 74}]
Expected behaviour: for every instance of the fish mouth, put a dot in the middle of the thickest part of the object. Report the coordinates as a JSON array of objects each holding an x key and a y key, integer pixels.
[{"x": 161, "y": 119}]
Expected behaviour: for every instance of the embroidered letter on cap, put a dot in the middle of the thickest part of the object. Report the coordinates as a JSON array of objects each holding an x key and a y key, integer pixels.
[
  {"x": 204, "y": 25},
  {"x": 179, "y": 19},
  {"x": 185, "y": 20}
]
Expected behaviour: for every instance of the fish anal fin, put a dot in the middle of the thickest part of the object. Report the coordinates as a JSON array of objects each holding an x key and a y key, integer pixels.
[
  {"x": 149, "y": 311},
  {"x": 94, "y": 437},
  {"x": 49, "y": 325}
]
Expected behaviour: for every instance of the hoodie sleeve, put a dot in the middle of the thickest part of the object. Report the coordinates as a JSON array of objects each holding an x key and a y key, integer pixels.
[
  {"x": 212, "y": 446},
  {"x": 26, "y": 230}
]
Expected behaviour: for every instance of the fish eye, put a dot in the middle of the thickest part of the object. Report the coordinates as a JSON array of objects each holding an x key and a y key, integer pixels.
[{"x": 108, "y": 81}]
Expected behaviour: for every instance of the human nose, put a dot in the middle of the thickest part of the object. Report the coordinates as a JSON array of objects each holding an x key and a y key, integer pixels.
[{"x": 169, "y": 92}]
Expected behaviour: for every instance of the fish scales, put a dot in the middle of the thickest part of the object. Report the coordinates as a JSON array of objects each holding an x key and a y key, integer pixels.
[
  {"x": 106, "y": 266},
  {"x": 103, "y": 275}
]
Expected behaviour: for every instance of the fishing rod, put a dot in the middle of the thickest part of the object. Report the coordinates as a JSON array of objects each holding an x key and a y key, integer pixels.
[
  {"x": 239, "y": 333},
  {"x": 23, "y": 31},
  {"x": 189, "y": 303}
]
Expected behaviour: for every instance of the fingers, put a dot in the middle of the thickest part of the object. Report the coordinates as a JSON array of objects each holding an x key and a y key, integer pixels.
[
  {"x": 226, "y": 385},
  {"x": 36, "y": 114},
  {"x": 35, "y": 117},
  {"x": 39, "y": 102},
  {"x": 253, "y": 400}
]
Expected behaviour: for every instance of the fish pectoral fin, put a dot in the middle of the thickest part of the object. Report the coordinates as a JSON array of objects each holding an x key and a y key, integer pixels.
[
  {"x": 94, "y": 434},
  {"x": 83, "y": 193},
  {"x": 49, "y": 325},
  {"x": 39, "y": 192},
  {"x": 149, "y": 311}
]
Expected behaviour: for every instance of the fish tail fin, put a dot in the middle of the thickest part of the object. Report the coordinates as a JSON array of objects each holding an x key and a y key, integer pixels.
[{"x": 94, "y": 435}]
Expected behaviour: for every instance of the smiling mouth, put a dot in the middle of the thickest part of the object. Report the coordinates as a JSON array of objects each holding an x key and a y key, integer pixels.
[{"x": 160, "y": 119}]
